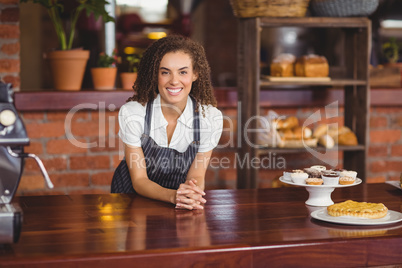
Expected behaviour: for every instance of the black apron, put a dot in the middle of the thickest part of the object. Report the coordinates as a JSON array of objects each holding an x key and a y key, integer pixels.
[{"x": 165, "y": 166}]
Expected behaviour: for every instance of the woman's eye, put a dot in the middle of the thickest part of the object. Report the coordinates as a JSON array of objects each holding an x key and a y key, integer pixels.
[
  {"x": 164, "y": 72},
  {"x": 183, "y": 72}
]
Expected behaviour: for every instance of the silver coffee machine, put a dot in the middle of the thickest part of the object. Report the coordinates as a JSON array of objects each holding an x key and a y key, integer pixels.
[{"x": 13, "y": 138}]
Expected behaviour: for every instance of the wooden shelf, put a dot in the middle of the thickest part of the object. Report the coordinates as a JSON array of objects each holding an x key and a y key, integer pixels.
[
  {"x": 331, "y": 83},
  {"x": 352, "y": 76}
]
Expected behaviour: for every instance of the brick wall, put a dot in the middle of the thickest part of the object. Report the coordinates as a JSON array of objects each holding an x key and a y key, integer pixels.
[
  {"x": 75, "y": 169},
  {"x": 9, "y": 42}
]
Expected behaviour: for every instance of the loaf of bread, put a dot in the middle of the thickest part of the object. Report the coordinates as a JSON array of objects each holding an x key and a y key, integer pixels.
[
  {"x": 283, "y": 65},
  {"x": 312, "y": 66}
]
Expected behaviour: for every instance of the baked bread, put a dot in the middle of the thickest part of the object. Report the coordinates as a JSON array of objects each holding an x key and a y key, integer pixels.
[
  {"x": 312, "y": 66},
  {"x": 287, "y": 123},
  {"x": 358, "y": 209},
  {"x": 348, "y": 138},
  {"x": 283, "y": 65}
]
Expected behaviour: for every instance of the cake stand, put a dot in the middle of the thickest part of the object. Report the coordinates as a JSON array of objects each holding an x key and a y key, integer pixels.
[{"x": 319, "y": 195}]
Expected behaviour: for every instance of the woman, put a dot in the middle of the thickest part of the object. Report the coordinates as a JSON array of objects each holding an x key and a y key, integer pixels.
[{"x": 170, "y": 127}]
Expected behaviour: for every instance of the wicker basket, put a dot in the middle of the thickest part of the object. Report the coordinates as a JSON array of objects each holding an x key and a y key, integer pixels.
[
  {"x": 343, "y": 8},
  {"x": 269, "y": 8}
]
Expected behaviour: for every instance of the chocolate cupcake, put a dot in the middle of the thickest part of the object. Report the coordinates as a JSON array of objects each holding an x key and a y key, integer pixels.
[{"x": 313, "y": 173}]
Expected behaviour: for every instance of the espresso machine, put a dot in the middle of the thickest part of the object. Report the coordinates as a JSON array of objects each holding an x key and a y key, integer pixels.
[{"x": 13, "y": 138}]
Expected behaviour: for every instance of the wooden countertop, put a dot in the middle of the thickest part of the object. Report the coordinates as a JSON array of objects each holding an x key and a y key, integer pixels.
[{"x": 237, "y": 228}]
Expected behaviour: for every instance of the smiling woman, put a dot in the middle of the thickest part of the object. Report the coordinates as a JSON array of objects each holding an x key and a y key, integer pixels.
[{"x": 168, "y": 143}]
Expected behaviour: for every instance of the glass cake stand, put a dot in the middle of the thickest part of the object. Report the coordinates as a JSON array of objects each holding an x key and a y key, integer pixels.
[{"x": 319, "y": 195}]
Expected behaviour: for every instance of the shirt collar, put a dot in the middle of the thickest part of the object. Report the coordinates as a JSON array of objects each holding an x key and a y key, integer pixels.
[{"x": 186, "y": 118}]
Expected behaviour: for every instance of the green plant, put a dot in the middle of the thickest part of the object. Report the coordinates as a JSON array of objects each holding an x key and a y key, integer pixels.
[
  {"x": 133, "y": 61},
  {"x": 55, "y": 9},
  {"x": 106, "y": 61},
  {"x": 390, "y": 50}
]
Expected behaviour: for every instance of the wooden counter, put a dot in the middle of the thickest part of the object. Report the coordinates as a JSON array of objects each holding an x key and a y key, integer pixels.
[{"x": 238, "y": 228}]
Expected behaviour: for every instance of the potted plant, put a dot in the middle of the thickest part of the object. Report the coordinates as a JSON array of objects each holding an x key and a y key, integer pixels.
[
  {"x": 104, "y": 75},
  {"x": 390, "y": 50},
  {"x": 128, "y": 78},
  {"x": 68, "y": 64}
]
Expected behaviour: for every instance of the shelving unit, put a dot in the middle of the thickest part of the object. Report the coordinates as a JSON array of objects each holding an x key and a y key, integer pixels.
[{"x": 354, "y": 79}]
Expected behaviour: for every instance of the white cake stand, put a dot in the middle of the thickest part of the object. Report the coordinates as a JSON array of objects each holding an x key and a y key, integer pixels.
[{"x": 319, "y": 195}]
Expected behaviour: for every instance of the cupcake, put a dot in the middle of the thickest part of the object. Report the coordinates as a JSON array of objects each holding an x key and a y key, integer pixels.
[
  {"x": 346, "y": 180},
  {"x": 338, "y": 170},
  {"x": 312, "y": 172},
  {"x": 314, "y": 181},
  {"x": 330, "y": 178},
  {"x": 348, "y": 173},
  {"x": 286, "y": 175},
  {"x": 299, "y": 178},
  {"x": 319, "y": 168}
]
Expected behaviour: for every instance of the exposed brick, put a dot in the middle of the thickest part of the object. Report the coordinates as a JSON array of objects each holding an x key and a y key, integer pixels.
[
  {"x": 64, "y": 146},
  {"x": 387, "y": 110},
  {"x": 32, "y": 116},
  {"x": 13, "y": 80},
  {"x": 227, "y": 174},
  {"x": 397, "y": 121},
  {"x": 117, "y": 159},
  {"x": 88, "y": 129},
  {"x": 386, "y": 166},
  {"x": 9, "y": 65},
  {"x": 9, "y": 31},
  {"x": 70, "y": 179},
  {"x": 378, "y": 121},
  {"x": 53, "y": 164},
  {"x": 31, "y": 182},
  {"x": 105, "y": 144},
  {"x": 377, "y": 151},
  {"x": 90, "y": 162},
  {"x": 378, "y": 179},
  {"x": 10, "y": 15},
  {"x": 42, "y": 130},
  {"x": 102, "y": 178},
  {"x": 34, "y": 148},
  {"x": 385, "y": 136},
  {"x": 61, "y": 116},
  {"x": 396, "y": 150}
]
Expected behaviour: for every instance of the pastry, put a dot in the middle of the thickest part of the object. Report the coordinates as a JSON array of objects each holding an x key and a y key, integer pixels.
[
  {"x": 299, "y": 177},
  {"x": 312, "y": 66},
  {"x": 347, "y": 173},
  {"x": 283, "y": 65},
  {"x": 330, "y": 178},
  {"x": 312, "y": 172},
  {"x": 348, "y": 138},
  {"x": 358, "y": 209},
  {"x": 319, "y": 168},
  {"x": 314, "y": 181},
  {"x": 327, "y": 141},
  {"x": 345, "y": 180},
  {"x": 320, "y": 130},
  {"x": 287, "y": 123}
]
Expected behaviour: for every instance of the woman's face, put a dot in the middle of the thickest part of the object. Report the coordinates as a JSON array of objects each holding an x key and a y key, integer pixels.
[{"x": 175, "y": 78}]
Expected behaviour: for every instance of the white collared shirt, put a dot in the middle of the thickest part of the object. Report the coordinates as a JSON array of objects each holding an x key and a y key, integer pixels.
[{"x": 131, "y": 126}]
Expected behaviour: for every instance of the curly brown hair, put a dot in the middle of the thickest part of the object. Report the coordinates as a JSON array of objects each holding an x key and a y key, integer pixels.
[{"x": 146, "y": 85}]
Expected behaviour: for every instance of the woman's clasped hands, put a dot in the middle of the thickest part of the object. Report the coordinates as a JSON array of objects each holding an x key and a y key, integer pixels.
[{"x": 190, "y": 196}]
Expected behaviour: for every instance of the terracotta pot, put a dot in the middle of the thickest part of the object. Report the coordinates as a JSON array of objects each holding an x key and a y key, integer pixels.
[
  {"x": 67, "y": 68},
  {"x": 127, "y": 80},
  {"x": 104, "y": 78}
]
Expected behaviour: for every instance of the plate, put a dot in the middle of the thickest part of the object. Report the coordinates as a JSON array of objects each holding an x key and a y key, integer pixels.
[
  {"x": 391, "y": 217},
  {"x": 394, "y": 183},
  {"x": 357, "y": 182}
]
